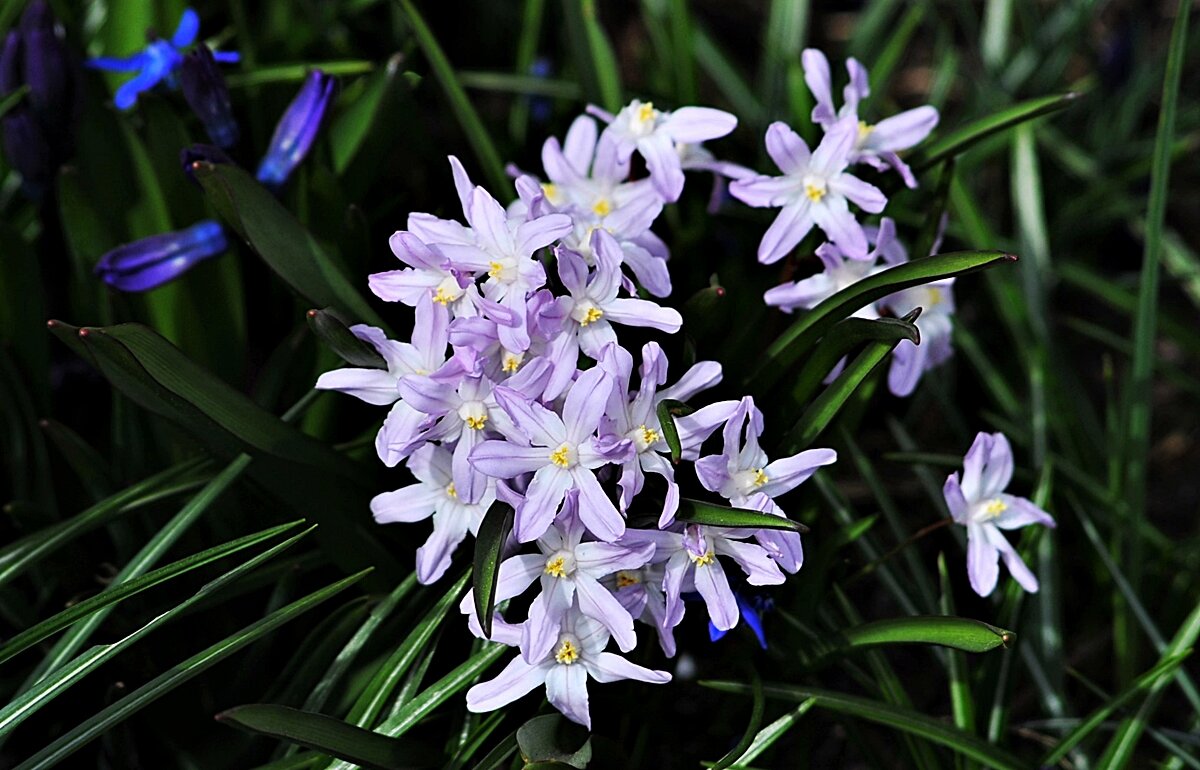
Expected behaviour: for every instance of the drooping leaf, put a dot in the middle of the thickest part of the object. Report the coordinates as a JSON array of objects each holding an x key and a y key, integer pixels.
[
  {"x": 330, "y": 736},
  {"x": 489, "y": 550},
  {"x": 699, "y": 512},
  {"x": 667, "y": 410},
  {"x": 330, "y": 330}
]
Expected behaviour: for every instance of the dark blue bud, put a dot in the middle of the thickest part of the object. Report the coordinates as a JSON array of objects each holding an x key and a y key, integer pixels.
[
  {"x": 28, "y": 150},
  {"x": 297, "y": 130},
  {"x": 46, "y": 63},
  {"x": 205, "y": 90},
  {"x": 201, "y": 153},
  {"x": 153, "y": 261}
]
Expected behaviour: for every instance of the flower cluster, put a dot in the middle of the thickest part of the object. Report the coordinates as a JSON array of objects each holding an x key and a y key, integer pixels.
[
  {"x": 817, "y": 188},
  {"x": 514, "y": 387}
]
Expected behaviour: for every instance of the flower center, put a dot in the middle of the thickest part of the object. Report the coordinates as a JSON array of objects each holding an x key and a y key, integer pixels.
[
  {"x": 550, "y": 190},
  {"x": 586, "y": 312},
  {"x": 627, "y": 578},
  {"x": 988, "y": 510},
  {"x": 512, "y": 362},
  {"x": 447, "y": 291},
  {"x": 602, "y": 207},
  {"x": 451, "y": 492},
  {"x": 815, "y": 188},
  {"x": 474, "y": 414},
  {"x": 563, "y": 457},
  {"x": 704, "y": 559},
  {"x": 864, "y": 130},
  {"x": 643, "y": 437},
  {"x": 643, "y": 119},
  {"x": 567, "y": 652},
  {"x": 503, "y": 270},
  {"x": 560, "y": 564},
  {"x": 750, "y": 480}
]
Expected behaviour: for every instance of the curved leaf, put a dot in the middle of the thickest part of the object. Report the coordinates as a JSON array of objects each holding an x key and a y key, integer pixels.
[
  {"x": 941, "y": 630},
  {"x": 751, "y": 733},
  {"x": 489, "y": 551},
  {"x": 330, "y": 330},
  {"x": 797, "y": 339},
  {"x": 330, "y": 736},
  {"x": 668, "y": 409},
  {"x": 548, "y": 738},
  {"x": 840, "y": 340},
  {"x": 699, "y": 512}
]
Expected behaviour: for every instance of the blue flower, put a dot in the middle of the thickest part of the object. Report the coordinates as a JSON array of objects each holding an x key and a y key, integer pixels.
[
  {"x": 296, "y": 130},
  {"x": 157, "y": 62},
  {"x": 208, "y": 96},
  {"x": 752, "y": 610},
  {"x": 158, "y": 259}
]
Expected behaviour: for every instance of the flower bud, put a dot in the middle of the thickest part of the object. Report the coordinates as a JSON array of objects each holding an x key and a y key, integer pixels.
[
  {"x": 297, "y": 130},
  {"x": 206, "y": 93},
  {"x": 158, "y": 259}
]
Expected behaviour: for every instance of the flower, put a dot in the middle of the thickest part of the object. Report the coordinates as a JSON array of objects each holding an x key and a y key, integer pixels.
[
  {"x": 744, "y": 477},
  {"x": 206, "y": 93},
  {"x": 434, "y": 495},
  {"x": 814, "y": 190},
  {"x": 936, "y": 325},
  {"x": 876, "y": 145},
  {"x": 752, "y": 610},
  {"x": 576, "y": 655},
  {"x": 158, "y": 259},
  {"x": 157, "y": 62},
  {"x": 979, "y": 503},
  {"x": 640, "y": 592},
  {"x": 655, "y": 134},
  {"x": 563, "y": 454},
  {"x": 296, "y": 130}
]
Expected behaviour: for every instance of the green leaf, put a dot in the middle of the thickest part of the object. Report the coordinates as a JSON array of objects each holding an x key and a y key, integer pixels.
[
  {"x": 442, "y": 690},
  {"x": 751, "y": 733},
  {"x": 667, "y": 410},
  {"x": 797, "y": 339},
  {"x": 962, "y": 703},
  {"x": 489, "y": 550},
  {"x": 93, "y": 470},
  {"x": 844, "y": 337},
  {"x": 941, "y": 630},
  {"x": 594, "y": 60},
  {"x": 699, "y": 512},
  {"x": 330, "y": 330},
  {"x": 1164, "y": 669},
  {"x": 119, "y": 592},
  {"x": 481, "y": 141},
  {"x": 360, "y": 113},
  {"x": 177, "y": 675},
  {"x": 962, "y": 139},
  {"x": 826, "y": 406},
  {"x": 550, "y": 738},
  {"x": 905, "y": 720},
  {"x": 58, "y": 681},
  {"x": 282, "y": 242},
  {"x": 294, "y": 73},
  {"x": 330, "y": 736},
  {"x": 526, "y": 85}
]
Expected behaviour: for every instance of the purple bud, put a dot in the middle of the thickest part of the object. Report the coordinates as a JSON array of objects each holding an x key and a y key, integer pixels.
[
  {"x": 45, "y": 62},
  {"x": 296, "y": 131},
  {"x": 206, "y": 93},
  {"x": 153, "y": 261}
]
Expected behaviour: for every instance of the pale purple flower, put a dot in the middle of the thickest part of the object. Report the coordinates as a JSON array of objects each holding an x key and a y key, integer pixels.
[
  {"x": 635, "y": 416},
  {"x": 936, "y": 324},
  {"x": 979, "y": 503},
  {"x": 428, "y": 272},
  {"x": 435, "y": 495},
  {"x": 563, "y": 454},
  {"x": 571, "y": 572},
  {"x": 654, "y": 134},
  {"x": 814, "y": 190},
  {"x": 640, "y": 592},
  {"x": 690, "y": 554},
  {"x": 745, "y": 477},
  {"x": 576, "y": 655},
  {"x": 875, "y": 145}
]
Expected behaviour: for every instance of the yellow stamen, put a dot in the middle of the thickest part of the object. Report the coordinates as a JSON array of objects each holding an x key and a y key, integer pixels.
[
  {"x": 441, "y": 297},
  {"x": 511, "y": 363},
  {"x": 602, "y": 208},
  {"x": 556, "y": 567},
  {"x": 626, "y": 579},
  {"x": 703, "y": 561},
  {"x": 935, "y": 295},
  {"x": 814, "y": 193},
  {"x": 760, "y": 478},
  {"x": 995, "y": 508},
  {"x": 646, "y": 112},
  {"x": 451, "y": 491},
  {"x": 476, "y": 423},
  {"x": 864, "y": 130},
  {"x": 494, "y": 269},
  {"x": 550, "y": 190},
  {"x": 649, "y": 435},
  {"x": 560, "y": 456},
  {"x": 567, "y": 653},
  {"x": 593, "y": 315}
]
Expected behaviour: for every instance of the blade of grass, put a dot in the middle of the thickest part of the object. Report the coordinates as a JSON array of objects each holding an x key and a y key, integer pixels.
[
  {"x": 593, "y": 55},
  {"x": 756, "y": 713}
]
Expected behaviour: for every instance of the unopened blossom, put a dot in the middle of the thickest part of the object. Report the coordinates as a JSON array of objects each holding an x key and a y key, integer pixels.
[
  {"x": 654, "y": 134},
  {"x": 572, "y": 572},
  {"x": 839, "y": 272},
  {"x": 157, "y": 62},
  {"x": 576, "y": 655},
  {"x": 876, "y": 144},
  {"x": 815, "y": 189},
  {"x": 158, "y": 259},
  {"x": 204, "y": 88},
  {"x": 634, "y": 415},
  {"x": 744, "y": 476},
  {"x": 435, "y": 495},
  {"x": 562, "y": 454},
  {"x": 296, "y": 130},
  {"x": 979, "y": 503}
]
